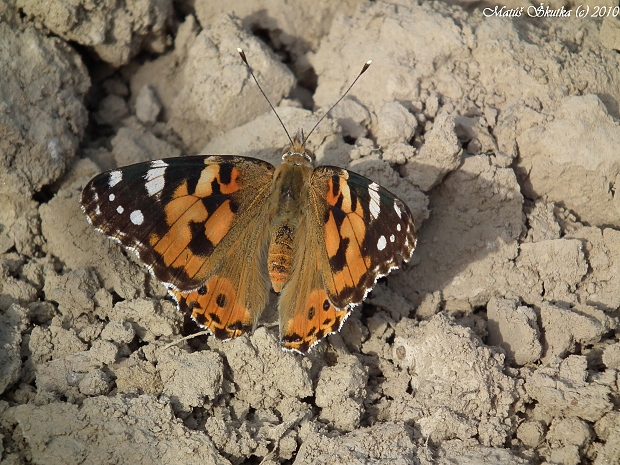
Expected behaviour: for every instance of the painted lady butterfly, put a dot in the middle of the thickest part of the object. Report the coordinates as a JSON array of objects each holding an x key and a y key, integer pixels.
[{"x": 220, "y": 231}]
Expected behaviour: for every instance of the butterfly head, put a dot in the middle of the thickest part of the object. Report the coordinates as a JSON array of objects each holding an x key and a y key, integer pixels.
[{"x": 298, "y": 154}]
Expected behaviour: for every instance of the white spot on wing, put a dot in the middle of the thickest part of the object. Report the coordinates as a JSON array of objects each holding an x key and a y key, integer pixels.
[
  {"x": 97, "y": 210},
  {"x": 154, "y": 173},
  {"x": 397, "y": 209},
  {"x": 120, "y": 209},
  {"x": 136, "y": 217},
  {"x": 111, "y": 197},
  {"x": 392, "y": 238},
  {"x": 158, "y": 164},
  {"x": 155, "y": 186},
  {"x": 375, "y": 207},
  {"x": 398, "y": 228},
  {"x": 155, "y": 178},
  {"x": 381, "y": 243},
  {"x": 116, "y": 176}
]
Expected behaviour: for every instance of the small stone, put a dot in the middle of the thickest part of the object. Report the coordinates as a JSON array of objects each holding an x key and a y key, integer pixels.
[
  {"x": 609, "y": 34},
  {"x": 531, "y": 433},
  {"x": 120, "y": 332},
  {"x": 148, "y": 106},
  {"x": 95, "y": 383},
  {"x": 112, "y": 109},
  {"x": 395, "y": 124}
]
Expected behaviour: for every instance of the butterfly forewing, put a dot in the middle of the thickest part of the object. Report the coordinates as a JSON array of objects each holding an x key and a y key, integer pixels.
[
  {"x": 366, "y": 231},
  {"x": 180, "y": 215}
]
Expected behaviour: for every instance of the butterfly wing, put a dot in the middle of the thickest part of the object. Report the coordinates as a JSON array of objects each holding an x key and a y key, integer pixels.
[
  {"x": 231, "y": 301},
  {"x": 184, "y": 217},
  {"x": 365, "y": 228},
  {"x": 306, "y": 314},
  {"x": 355, "y": 232}
]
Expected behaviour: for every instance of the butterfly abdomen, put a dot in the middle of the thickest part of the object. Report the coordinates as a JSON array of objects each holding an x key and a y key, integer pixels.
[{"x": 280, "y": 258}]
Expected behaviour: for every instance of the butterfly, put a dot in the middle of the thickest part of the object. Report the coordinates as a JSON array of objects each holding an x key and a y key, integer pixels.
[{"x": 221, "y": 231}]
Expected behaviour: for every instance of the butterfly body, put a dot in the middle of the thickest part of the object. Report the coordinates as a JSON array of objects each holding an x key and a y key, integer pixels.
[
  {"x": 221, "y": 231},
  {"x": 290, "y": 188}
]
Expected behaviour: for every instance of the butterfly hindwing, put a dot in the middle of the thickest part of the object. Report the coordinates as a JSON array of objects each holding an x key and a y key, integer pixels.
[
  {"x": 215, "y": 306},
  {"x": 231, "y": 301},
  {"x": 306, "y": 313},
  {"x": 365, "y": 228},
  {"x": 180, "y": 215}
]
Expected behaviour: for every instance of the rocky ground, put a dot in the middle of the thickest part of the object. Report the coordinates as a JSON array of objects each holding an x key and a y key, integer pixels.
[{"x": 497, "y": 344}]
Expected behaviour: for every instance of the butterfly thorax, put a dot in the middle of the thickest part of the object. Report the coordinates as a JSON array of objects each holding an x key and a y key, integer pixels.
[{"x": 290, "y": 191}]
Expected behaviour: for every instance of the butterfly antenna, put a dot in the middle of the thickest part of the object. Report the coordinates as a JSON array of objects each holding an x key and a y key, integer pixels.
[
  {"x": 364, "y": 68},
  {"x": 245, "y": 60}
]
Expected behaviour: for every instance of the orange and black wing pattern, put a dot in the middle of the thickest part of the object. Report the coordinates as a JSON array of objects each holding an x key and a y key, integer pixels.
[
  {"x": 366, "y": 231},
  {"x": 179, "y": 215}
]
